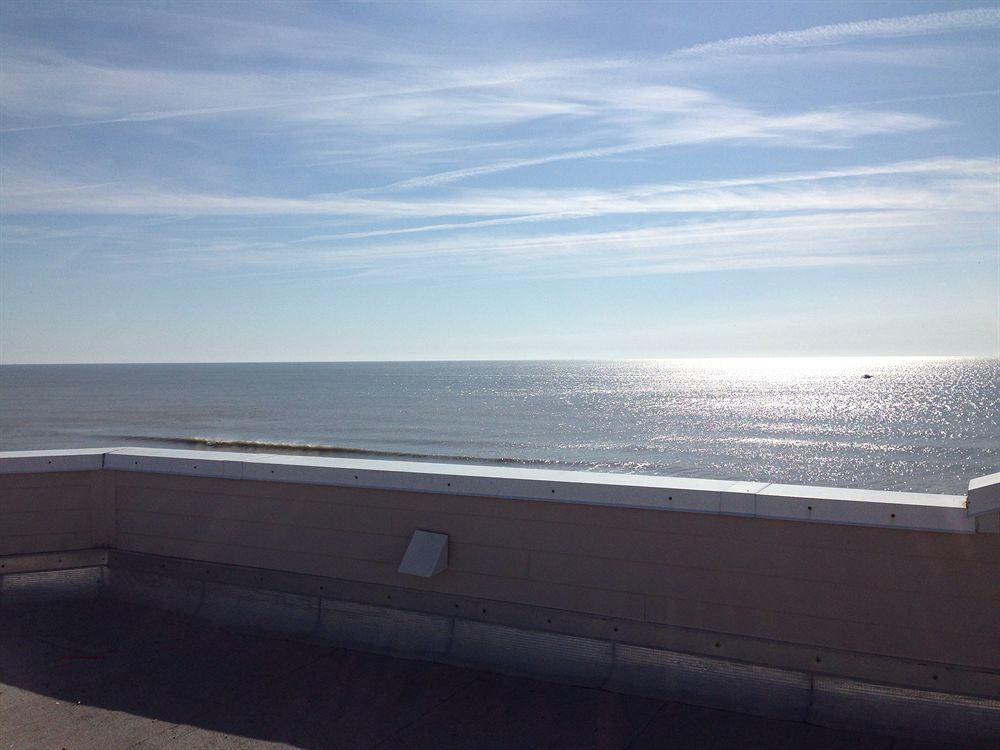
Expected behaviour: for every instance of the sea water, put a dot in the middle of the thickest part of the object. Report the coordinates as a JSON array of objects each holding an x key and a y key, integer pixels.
[{"x": 921, "y": 424}]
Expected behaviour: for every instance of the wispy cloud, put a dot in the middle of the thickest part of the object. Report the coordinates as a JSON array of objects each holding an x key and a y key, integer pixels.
[
  {"x": 709, "y": 125},
  {"x": 378, "y": 159},
  {"x": 916, "y": 25},
  {"x": 856, "y": 238},
  {"x": 902, "y": 212},
  {"x": 606, "y": 113},
  {"x": 949, "y": 183},
  {"x": 69, "y": 92}
]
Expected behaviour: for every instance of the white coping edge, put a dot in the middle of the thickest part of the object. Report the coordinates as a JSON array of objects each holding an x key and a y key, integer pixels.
[
  {"x": 984, "y": 494},
  {"x": 25, "y": 462},
  {"x": 902, "y": 510}
]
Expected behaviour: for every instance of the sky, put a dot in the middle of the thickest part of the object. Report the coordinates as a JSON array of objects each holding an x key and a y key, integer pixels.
[{"x": 293, "y": 181}]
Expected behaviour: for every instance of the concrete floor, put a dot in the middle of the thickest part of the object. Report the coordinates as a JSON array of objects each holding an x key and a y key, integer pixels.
[{"x": 101, "y": 674}]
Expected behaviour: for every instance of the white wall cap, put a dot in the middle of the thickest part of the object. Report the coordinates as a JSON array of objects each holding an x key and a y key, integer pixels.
[
  {"x": 858, "y": 495},
  {"x": 24, "y": 462},
  {"x": 984, "y": 495},
  {"x": 625, "y": 490},
  {"x": 191, "y": 463},
  {"x": 908, "y": 510},
  {"x": 484, "y": 471},
  {"x": 740, "y": 498},
  {"x": 905, "y": 510}
]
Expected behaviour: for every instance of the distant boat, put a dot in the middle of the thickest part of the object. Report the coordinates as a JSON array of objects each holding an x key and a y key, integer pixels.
[{"x": 866, "y": 376}]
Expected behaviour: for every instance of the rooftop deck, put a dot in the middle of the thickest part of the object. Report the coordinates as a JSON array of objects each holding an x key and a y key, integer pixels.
[{"x": 103, "y": 674}]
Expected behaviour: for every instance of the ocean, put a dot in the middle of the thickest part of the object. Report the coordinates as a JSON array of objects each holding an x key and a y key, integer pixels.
[{"x": 918, "y": 424}]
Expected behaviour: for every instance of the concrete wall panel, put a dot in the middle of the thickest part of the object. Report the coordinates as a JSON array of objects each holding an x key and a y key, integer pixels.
[
  {"x": 861, "y": 601},
  {"x": 165, "y": 592},
  {"x": 385, "y": 630},
  {"x": 30, "y": 544},
  {"x": 827, "y": 633},
  {"x": 920, "y": 714},
  {"x": 580, "y": 661},
  {"x": 54, "y": 497},
  {"x": 46, "y": 512},
  {"x": 259, "y": 609},
  {"x": 42, "y": 586},
  {"x": 710, "y": 682}
]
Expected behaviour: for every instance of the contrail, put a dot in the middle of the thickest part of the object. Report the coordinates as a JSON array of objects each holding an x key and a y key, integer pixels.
[{"x": 925, "y": 23}]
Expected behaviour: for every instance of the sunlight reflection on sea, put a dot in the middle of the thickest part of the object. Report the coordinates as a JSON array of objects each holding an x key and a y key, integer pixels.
[{"x": 924, "y": 424}]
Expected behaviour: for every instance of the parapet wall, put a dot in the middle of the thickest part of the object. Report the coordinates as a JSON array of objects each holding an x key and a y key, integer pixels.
[{"x": 818, "y": 583}]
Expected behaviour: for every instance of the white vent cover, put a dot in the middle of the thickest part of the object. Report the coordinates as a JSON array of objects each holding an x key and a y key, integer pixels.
[{"x": 427, "y": 554}]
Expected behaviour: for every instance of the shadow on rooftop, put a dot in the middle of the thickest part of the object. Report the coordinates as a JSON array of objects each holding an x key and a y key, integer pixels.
[{"x": 105, "y": 674}]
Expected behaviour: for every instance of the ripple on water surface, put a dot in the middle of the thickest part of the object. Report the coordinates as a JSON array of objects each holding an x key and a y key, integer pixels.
[{"x": 923, "y": 424}]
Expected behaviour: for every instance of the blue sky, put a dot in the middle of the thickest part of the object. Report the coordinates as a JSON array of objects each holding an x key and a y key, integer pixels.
[{"x": 355, "y": 181}]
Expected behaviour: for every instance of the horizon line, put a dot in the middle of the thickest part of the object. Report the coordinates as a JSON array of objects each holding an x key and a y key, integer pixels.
[{"x": 507, "y": 359}]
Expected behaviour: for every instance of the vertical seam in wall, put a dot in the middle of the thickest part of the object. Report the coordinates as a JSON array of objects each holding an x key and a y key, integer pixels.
[
  {"x": 812, "y": 695},
  {"x": 201, "y": 600},
  {"x": 614, "y": 662},
  {"x": 449, "y": 647},
  {"x": 756, "y": 497},
  {"x": 319, "y": 614},
  {"x": 114, "y": 508},
  {"x": 95, "y": 508}
]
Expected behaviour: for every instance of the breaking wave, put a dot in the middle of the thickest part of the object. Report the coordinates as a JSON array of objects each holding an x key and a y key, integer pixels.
[{"x": 268, "y": 446}]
